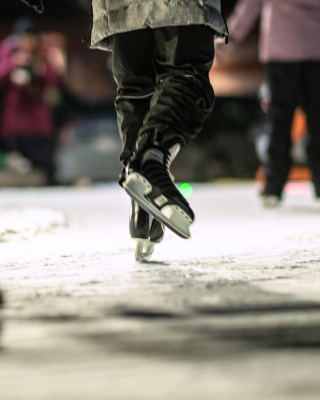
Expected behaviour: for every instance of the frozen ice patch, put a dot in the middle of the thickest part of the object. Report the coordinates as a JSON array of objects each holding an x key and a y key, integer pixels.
[
  {"x": 303, "y": 288},
  {"x": 26, "y": 223}
]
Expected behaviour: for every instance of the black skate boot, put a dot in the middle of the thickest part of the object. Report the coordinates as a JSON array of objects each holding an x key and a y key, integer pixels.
[
  {"x": 145, "y": 230},
  {"x": 150, "y": 184}
]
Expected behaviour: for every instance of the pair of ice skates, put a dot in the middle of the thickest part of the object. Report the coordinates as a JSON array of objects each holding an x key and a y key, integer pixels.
[{"x": 155, "y": 200}]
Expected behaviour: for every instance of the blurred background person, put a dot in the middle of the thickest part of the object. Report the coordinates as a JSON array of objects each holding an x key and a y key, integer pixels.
[
  {"x": 28, "y": 71},
  {"x": 289, "y": 48},
  {"x": 262, "y": 129}
]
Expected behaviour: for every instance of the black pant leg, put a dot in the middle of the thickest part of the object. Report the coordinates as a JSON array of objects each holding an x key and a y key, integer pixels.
[
  {"x": 284, "y": 81},
  {"x": 184, "y": 97},
  {"x": 135, "y": 77},
  {"x": 310, "y": 87}
]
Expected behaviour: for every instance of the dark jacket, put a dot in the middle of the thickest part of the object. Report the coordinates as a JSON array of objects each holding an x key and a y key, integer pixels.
[{"x": 115, "y": 16}]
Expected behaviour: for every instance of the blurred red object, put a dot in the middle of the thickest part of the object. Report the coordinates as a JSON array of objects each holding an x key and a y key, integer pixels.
[{"x": 296, "y": 188}]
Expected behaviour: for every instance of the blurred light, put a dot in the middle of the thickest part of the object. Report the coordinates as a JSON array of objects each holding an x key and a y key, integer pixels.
[
  {"x": 296, "y": 189},
  {"x": 186, "y": 190}
]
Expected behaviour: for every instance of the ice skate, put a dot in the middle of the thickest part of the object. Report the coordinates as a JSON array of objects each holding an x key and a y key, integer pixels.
[
  {"x": 145, "y": 230},
  {"x": 153, "y": 189}
]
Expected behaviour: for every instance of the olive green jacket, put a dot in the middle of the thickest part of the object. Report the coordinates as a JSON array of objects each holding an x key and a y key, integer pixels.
[{"x": 115, "y": 16}]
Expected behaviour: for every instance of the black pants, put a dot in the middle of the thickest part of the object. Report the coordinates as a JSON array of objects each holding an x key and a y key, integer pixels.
[
  {"x": 292, "y": 84},
  {"x": 37, "y": 149},
  {"x": 163, "y": 83}
]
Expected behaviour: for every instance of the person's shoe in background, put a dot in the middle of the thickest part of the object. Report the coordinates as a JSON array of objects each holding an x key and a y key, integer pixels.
[{"x": 269, "y": 200}]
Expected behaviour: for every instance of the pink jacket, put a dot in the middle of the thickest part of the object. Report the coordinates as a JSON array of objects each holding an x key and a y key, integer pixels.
[
  {"x": 20, "y": 113},
  {"x": 290, "y": 29}
]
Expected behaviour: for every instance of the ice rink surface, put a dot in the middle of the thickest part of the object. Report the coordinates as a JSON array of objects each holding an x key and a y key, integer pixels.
[{"x": 233, "y": 313}]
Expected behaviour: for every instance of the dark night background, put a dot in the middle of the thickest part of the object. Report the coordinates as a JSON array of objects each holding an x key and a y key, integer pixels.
[{"x": 225, "y": 144}]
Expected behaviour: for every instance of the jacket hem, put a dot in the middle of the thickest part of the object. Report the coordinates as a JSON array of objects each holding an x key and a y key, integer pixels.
[{"x": 153, "y": 17}]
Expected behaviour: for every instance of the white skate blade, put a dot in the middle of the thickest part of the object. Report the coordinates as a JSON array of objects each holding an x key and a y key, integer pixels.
[
  {"x": 173, "y": 217},
  {"x": 144, "y": 250}
]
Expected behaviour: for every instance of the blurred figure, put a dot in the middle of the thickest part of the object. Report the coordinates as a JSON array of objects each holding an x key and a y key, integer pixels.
[
  {"x": 262, "y": 128},
  {"x": 26, "y": 75},
  {"x": 290, "y": 31}
]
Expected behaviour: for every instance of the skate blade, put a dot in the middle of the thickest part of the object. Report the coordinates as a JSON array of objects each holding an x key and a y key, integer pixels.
[
  {"x": 144, "y": 250},
  {"x": 173, "y": 217}
]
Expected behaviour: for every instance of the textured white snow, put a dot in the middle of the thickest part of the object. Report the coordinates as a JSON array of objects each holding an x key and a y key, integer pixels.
[
  {"x": 25, "y": 223},
  {"x": 232, "y": 313}
]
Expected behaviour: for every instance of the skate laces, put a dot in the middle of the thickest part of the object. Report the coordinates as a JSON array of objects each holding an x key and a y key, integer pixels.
[{"x": 158, "y": 173}]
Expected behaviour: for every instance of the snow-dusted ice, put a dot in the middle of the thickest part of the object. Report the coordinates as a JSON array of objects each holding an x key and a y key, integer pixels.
[{"x": 232, "y": 313}]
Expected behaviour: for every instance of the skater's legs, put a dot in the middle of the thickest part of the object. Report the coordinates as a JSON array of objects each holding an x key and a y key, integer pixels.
[
  {"x": 284, "y": 79},
  {"x": 134, "y": 74},
  {"x": 184, "y": 97},
  {"x": 311, "y": 95},
  {"x": 182, "y": 101},
  {"x": 135, "y": 77}
]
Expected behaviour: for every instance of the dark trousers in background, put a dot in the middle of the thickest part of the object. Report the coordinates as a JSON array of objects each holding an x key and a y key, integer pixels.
[
  {"x": 37, "y": 149},
  {"x": 163, "y": 83},
  {"x": 292, "y": 85}
]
